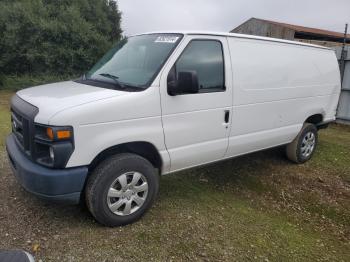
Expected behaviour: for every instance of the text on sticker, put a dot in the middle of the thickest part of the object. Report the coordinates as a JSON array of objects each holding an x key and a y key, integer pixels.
[{"x": 166, "y": 39}]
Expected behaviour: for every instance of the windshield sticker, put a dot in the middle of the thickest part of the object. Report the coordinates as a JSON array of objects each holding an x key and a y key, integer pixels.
[{"x": 166, "y": 39}]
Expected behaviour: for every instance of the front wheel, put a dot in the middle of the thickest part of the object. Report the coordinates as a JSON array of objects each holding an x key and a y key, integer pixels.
[
  {"x": 304, "y": 145},
  {"x": 121, "y": 189}
]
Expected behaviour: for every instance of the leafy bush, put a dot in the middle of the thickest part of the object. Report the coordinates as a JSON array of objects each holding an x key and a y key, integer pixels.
[{"x": 57, "y": 37}]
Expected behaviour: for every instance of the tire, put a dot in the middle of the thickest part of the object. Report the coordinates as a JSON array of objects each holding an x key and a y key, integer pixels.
[
  {"x": 113, "y": 193},
  {"x": 298, "y": 151}
]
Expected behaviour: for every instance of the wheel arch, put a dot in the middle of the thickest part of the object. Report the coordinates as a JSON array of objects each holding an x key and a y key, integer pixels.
[
  {"x": 315, "y": 119},
  {"x": 141, "y": 148}
]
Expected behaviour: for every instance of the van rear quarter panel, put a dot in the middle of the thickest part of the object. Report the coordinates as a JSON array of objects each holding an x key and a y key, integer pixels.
[{"x": 277, "y": 86}]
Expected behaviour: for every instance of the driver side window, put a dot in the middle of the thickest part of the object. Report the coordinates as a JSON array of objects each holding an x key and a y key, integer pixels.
[{"x": 205, "y": 58}]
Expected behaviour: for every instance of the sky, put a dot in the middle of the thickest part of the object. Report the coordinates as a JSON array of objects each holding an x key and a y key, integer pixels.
[{"x": 139, "y": 16}]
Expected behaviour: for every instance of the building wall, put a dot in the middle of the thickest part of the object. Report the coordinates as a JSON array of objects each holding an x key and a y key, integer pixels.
[
  {"x": 343, "y": 112},
  {"x": 316, "y": 42},
  {"x": 262, "y": 28}
]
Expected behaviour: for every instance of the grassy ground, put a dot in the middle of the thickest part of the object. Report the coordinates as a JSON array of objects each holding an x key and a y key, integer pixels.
[
  {"x": 258, "y": 207},
  {"x": 17, "y": 82}
]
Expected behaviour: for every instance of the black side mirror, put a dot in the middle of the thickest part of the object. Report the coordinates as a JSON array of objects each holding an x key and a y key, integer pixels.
[{"x": 186, "y": 83}]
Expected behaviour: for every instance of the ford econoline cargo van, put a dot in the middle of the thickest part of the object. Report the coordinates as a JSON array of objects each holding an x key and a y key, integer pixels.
[{"x": 163, "y": 102}]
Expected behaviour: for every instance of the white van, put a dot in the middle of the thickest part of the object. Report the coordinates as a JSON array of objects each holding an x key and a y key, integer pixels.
[{"x": 158, "y": 103}]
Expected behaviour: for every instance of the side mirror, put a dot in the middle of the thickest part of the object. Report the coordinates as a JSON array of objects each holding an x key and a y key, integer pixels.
[{"x": 186, "y": 83}]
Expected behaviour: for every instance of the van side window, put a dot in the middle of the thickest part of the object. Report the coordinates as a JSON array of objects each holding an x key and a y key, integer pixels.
[{"x": 205, "y": 57}]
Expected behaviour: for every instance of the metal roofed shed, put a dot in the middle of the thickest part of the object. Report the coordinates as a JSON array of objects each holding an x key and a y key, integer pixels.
[{"x": 261, "y": 27}]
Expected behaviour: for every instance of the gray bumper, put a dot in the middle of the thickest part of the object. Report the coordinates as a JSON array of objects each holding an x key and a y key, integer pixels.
[{"x": 62, "y": 185}]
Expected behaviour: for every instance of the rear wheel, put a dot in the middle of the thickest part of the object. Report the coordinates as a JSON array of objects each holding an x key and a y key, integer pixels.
[
  {"x": 121, "y": 189},
  {"x": 304, "y": 145}
]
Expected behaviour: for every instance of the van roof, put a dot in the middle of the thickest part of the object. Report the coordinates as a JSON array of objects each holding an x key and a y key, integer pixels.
[{"x": 213, "y": 33}]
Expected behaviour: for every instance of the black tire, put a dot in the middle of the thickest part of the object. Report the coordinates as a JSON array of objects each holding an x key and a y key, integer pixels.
[
  {"x": 294, "y": 150},
  {"x": 102, "y": 178}
]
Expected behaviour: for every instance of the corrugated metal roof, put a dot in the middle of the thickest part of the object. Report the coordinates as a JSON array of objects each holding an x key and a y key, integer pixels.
[{"x": 304, "y": 29}]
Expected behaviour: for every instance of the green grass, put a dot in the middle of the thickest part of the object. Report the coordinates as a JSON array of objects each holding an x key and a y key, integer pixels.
[
  {"x": 258, "y": 207},
  {"x": 239, "y": 196},
  {"x": 15, "y": 82},
  {"x": 4, "y": 115},
  {"x": 334, "y": 153}
]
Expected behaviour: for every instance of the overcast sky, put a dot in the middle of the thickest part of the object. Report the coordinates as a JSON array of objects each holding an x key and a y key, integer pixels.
[{"x": 224, "y": 15}]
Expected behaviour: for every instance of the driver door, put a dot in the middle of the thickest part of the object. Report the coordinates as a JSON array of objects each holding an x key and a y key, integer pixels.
[{"x": 197, "y": 125}]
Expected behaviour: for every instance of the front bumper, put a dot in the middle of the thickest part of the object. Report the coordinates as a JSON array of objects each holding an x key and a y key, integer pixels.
[{"x": 62, "y": 185}]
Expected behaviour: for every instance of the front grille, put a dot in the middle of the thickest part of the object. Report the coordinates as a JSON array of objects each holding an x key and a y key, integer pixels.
[
  {"x": 22, "y": 118},
  {"x": 20, "y": 128}
]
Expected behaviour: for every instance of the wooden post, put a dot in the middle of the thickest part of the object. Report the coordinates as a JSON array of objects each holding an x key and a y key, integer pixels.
[{"x": 343, "y": 55}]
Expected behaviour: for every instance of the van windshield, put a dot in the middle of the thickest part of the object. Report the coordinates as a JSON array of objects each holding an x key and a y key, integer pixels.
[{"x": 135, "y": 61}]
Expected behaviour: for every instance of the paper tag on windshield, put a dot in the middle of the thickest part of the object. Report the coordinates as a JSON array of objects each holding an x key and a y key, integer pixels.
[{"x": 166, "y": 39}]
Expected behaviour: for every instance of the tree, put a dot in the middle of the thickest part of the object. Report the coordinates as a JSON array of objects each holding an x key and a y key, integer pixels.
[{"x": 56, "y": 36}]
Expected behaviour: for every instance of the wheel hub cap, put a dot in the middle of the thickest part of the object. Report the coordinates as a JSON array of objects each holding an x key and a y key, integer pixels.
[
  {"x": 127, "y": 193},
  {"x": 308, "y": 144}
]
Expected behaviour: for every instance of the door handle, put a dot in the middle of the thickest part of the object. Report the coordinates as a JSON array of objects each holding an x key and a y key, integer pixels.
[{"x": 227, "y": 116}]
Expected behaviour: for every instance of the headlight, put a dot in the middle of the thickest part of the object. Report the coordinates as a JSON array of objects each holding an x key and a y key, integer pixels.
[{"x": 53, "y": 145}]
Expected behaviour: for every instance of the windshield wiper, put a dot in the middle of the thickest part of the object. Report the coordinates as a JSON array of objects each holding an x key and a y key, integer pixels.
[{"x": 113, "y": 77}]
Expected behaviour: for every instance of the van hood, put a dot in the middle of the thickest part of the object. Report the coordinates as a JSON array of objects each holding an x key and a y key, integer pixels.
[{"x": 53, "y": 98}]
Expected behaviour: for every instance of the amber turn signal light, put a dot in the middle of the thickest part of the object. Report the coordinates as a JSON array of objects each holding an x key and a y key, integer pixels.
[
  {"x": 60, "y": 134},
  {"x": 49, "y": 133},
  {"x": 63, "y": 134}
]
